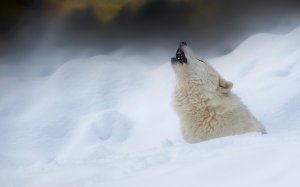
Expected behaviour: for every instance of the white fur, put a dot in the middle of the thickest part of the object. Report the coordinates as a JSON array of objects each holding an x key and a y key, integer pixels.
[{"x": 205, "y": 104}]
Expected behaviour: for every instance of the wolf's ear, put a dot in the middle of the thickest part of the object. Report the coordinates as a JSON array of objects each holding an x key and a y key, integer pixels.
[{"x": 225, "y": 86}]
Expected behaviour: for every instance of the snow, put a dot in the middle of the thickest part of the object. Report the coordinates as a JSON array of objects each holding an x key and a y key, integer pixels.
[{"x": 108, "y": 121}]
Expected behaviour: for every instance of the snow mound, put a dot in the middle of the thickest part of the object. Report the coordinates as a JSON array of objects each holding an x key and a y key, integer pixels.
[
  {"x": 269, "y": 66},
  {"x": 108, "y": 121}
]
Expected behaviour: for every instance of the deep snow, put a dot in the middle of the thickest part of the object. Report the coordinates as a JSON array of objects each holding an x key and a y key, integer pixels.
[{"x": 108, "y": 121}]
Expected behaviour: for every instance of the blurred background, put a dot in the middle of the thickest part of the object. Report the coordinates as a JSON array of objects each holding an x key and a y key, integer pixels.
[{"x": 68, "y": 28}]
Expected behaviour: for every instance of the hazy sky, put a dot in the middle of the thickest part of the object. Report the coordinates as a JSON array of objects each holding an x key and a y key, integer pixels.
[{"x": 213, "y": 27}]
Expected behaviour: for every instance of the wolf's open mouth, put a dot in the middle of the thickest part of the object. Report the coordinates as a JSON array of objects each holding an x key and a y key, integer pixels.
[{"x": 180, "y": 56}]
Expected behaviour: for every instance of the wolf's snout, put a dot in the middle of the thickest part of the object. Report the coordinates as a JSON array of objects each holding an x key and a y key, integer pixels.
[{"x": 183, "y": 43}]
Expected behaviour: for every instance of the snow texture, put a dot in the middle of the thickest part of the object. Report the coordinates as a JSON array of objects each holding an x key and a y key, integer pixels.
[{"x": 108, "y": 121}]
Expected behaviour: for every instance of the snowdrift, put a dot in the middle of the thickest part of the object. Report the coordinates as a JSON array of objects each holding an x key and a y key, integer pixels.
[{"x": 108, "y": 121}]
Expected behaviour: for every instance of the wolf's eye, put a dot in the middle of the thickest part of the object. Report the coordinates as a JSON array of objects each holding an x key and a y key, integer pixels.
[{"x": 201, "y": 60}]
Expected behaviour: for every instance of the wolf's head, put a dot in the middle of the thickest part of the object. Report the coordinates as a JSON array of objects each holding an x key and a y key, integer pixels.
[{"x": 190, "y": 68}]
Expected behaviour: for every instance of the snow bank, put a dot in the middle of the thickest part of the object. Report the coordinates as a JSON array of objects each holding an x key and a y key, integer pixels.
[
  {"x": 270, "y": 64},
  {"x": 108, "y": 121}
]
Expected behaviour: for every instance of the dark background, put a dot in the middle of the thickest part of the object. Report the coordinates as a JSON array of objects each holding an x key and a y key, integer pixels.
[{"x": 212, "y": 27}]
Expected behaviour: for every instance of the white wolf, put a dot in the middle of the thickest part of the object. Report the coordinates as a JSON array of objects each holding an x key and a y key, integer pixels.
[{"x": 204, "y": 102}]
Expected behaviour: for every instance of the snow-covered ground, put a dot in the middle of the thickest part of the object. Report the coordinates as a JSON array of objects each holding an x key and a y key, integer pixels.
[{"x": 108, "y": 121}]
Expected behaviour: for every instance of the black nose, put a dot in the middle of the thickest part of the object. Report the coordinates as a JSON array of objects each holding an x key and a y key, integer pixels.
[{"x": 183, "y": 43}]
